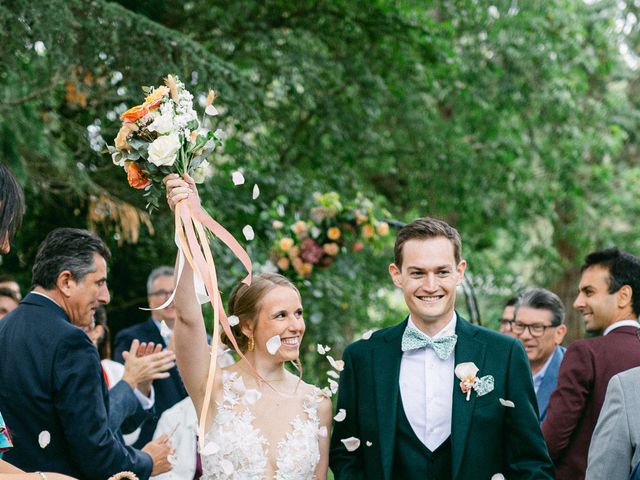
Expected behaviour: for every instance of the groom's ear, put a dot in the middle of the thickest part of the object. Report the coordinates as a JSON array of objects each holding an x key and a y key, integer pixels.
[{"x": 396, "y": 275}]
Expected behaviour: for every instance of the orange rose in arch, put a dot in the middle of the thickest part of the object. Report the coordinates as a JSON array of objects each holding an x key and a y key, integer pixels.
[
  {"x": 135, "y": 177},
  {"x": 333, "y": 233},
  {"x": 134, "y": 113}
]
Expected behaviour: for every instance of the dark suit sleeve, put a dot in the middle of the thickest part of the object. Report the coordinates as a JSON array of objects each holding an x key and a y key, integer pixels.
[
  {"x": 125, "y": 411},
  {"x": 80, "y": 405},
  {"x": 122, "y": 342},
  {"x": 567, "y": 403},
  {"x": 525, "y": 451},
  {"x": 346, "y": 465}
]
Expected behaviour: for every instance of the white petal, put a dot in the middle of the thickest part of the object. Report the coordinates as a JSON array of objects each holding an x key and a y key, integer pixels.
[
  {"x": 273, "y": 344},
  {"x": 44, "y": 438},
  {"x": 333, "y": 374},
  {"x": 321, "y": 349},
  {"x": 227, "y": 467},
  {"x": 498, "y": 476},
  {"x": 237, "y": 178},
  {"x": 327, "y": 392},
  {"x": 172, "y": 460},
  {"x": 351, "y": 443},
  {"x": 336, "y": 364},
  {"x": 333, "y": 385},
  {"x": 256, "y": 192},
  {"x": 341, "y": 415},
  {"x": 252, "y": 396},
  {"x": 322, "y": 431},
  {"x": 507, "y": 403},
  {"x": 367, "y": 335},
  {"x": 211, "y": 110},
  {"x": 247, "y": 231},
  {"x": 368, "y": 443},
  {"x": 466, "y": 370},
  {"x": 233, "y": 320},
  {"x": 165, "y": 331}
]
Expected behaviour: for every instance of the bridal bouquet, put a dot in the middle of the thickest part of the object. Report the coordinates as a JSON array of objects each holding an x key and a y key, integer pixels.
[{"x": 164, "y": 135}]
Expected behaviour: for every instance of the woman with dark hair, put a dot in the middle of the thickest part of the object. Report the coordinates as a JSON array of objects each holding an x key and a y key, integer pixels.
[
  {"x": 11, "y": 208},
  {"x": 11, "y": 211},
  {"x": 274, "y": 426}
]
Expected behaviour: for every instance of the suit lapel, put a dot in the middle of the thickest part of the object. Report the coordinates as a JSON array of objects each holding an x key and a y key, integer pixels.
[
  {"x": 386, "y": 372},
  {"x": 468, "y": 349},
  {"x": 154, "y": 334}
]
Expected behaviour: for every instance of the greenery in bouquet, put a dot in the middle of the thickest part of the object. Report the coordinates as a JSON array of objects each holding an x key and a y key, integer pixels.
[
  {"x": 315, "y": 239},
  {"x": 164, "y": 135}
]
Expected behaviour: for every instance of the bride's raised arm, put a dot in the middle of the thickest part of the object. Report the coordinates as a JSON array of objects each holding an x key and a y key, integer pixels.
[{"x": 190, "y": 336}]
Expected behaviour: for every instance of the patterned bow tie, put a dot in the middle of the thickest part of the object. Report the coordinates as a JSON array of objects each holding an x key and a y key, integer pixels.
[{"x": 443, "y": 346}]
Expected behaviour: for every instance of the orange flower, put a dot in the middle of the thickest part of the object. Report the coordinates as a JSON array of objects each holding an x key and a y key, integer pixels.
[
  {"x": 154, "y": 100},
  {"x": 357, "y": 247},
  {"x": 331, "y": 249},
  {"x": 134, "y": 113},
  {"x": 367, "y": 231},
  {"x": 135, "y": 176},
  {"x": 294, "y": 252},
  {"x": 360, "y": 218},
  {"x": 301, "y": 228},
  {"x": 333, "y": 233},
  {"x": 303, "y": 269},
  {"x": 286, "y": 243},
  {"x": 283, "y": 263},
  {"x": 382, "y": 228}
]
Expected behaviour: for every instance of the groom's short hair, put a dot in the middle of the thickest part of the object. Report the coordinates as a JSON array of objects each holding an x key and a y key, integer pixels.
[{"x": 425, "y": 228}]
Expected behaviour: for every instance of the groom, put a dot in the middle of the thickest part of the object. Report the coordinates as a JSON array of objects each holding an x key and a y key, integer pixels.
[{"x": 402, "y": 399}]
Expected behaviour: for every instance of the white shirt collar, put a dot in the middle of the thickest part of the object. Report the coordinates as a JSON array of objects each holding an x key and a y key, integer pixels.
[
  {"x": 448, "y": 329},
  {"x": 621, "y": 323}
]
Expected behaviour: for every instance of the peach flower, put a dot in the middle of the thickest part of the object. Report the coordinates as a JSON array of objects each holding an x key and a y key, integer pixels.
[
  {"x": 154, "y": 100},
  {"x": 283, "y": 263},
  {"x": 333, "y": 233},
  {"x": 331, "y": 249},
  {"x": 301, "y": 228},
  {"x": 367, "y": 231},
  {"x": 357, "y": 247},
  {"x": 286, "y": 243},
  {"x": 382, "y": 228},
  {"x": 123, "y": 135}
]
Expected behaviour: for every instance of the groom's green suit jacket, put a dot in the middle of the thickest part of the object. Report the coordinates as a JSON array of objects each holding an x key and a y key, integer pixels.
[{"x": 486, "y": 437}]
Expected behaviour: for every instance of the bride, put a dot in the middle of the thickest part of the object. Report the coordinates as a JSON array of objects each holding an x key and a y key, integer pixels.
[{"x": 254, "y": 430}]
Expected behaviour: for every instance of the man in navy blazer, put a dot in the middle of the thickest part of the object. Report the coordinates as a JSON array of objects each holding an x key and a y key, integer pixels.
[
  {"x": 157, "y": 329},
  {"x": 609, "y": 300},
  {"x": 539, "y": 325},
  {"x": 53, "y": 396}
]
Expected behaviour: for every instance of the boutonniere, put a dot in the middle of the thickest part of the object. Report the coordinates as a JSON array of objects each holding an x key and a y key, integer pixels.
[{"x": 466, "y": 372}]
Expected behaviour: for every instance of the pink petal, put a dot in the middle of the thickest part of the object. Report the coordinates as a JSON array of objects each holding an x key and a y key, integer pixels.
[
  {"x": 351, "y": 443},
  {"x": 341, "y": 415},
  {"x": 273, "y": 344}
]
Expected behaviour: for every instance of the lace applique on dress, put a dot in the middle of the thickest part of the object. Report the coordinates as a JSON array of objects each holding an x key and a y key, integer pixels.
[{"x": 236, "y": 450}]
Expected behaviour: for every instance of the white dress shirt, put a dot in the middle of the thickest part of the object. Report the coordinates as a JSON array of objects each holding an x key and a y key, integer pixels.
[
  {"x": 538, "y": 377},
  {"x": 621, "y": 323},
  {"x": 426, "y": 389}
]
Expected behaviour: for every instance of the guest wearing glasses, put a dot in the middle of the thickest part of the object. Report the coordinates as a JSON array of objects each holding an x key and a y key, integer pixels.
[
  {"x": 507, "y": 316},
  {"x": 157, "y": 329},
  {"x": 539, "y": 325}
]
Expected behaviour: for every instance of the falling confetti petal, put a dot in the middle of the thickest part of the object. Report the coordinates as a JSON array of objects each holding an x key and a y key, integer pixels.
[
  {"x": 337, "y": 364},
  {"x": 247, "y": 231},
  {"x": 367, "y": 335},
  {"x": 165, "y": 331},
  {"x": 252, "y": 396},
  {"x": 368, "y": 443},
  {"x": 256, "y": 192},
  {"x": 333, "y": 385},
  {"x": 210, "y": 448},
  {"x": 321, "y": 349},
  {"x": 333, "y": 374},
  {"x": 273, "y": 344},
  {"x": 172, "y": 460},
  {"x": 327, "y": 392},
  {"x": 322, "y": 431},
  {"x": 211, "y": 110},
  {"x": 507, "y": 403},
  {"x": 233, "y": 320},
  {"x": 341, "y": 415},
  {"x": 498, "y": 476},
  {"x": 227, "y": 467},
  {"x": 351, "y": 443},
  {"x": 237, "y": 178},
  {"x": 44, "y": 438}
]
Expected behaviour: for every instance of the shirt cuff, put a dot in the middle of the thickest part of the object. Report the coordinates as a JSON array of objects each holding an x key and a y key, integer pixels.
[{"x": 146, "y": 402}]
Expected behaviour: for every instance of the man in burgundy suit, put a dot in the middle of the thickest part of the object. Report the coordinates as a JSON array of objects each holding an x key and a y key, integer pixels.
[{"x": 609, "y": 300}]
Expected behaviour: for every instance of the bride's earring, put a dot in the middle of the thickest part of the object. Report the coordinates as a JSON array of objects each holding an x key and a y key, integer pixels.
[{"x": 251, "y": 345}]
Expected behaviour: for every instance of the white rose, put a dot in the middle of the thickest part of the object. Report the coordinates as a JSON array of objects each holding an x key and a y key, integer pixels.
[
  {"x": 162, "y": 124},
  {"x": 164, "y": 149}
]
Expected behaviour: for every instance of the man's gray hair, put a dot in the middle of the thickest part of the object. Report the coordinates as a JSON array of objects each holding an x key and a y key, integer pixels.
[
  {"x": 163, "y": 271},
  {"x": 542, "y": 299}
]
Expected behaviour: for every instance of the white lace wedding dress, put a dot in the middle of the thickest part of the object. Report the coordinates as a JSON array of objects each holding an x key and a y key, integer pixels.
[{"x": 235, "y": 449}]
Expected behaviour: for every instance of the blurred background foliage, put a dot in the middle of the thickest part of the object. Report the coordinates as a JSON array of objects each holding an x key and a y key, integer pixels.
[{"x": 515, "y": 121}]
